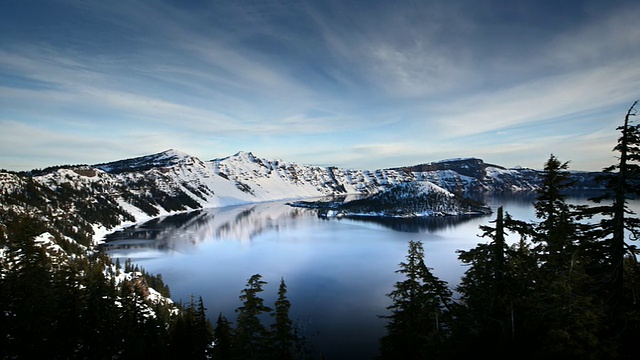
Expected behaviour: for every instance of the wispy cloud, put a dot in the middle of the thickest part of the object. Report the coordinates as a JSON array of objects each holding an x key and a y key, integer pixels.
[
  {"x": 377, "y": 83},
  {"x": 551, "y": 98}
]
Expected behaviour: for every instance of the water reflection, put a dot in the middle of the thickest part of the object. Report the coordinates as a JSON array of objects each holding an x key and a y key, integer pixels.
[
  {"x": 183, "y": 232},
  {"x": 418, "y": 224},
  {"x": 337, "y": 271}
]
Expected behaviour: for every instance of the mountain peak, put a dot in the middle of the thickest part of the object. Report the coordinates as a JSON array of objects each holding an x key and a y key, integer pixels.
[
  {"x": 244, "y": 154},
  {"x": 172, "y": 154},
  {"x": 240, "y": 155},
  {"x": 166, "y": 158}
]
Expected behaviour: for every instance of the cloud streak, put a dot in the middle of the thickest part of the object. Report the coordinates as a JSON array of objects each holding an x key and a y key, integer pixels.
[{"x": 360, "y": 85}]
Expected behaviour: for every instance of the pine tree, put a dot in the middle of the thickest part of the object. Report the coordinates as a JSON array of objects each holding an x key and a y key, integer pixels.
[
  {"x": 99, "y": 320},
  {"x": 179, "y": 338},
  {"x": 203, "y": 331},
  {"x": 611, "y": 269},
  {"x": 192, "y": 334},
  {"x": 556, "y": 229},
  {"x": 31, "y": 299},
  {"x": 564, "y": 320},
  {"x": 66, "y": 284},
  {"x": 416, "y": 327},
  {"x": 132, "y": 322},
  {"x": 282, "y": 333},
  {"x": 494, "y": 292},
  {"x": 223, "y": 339},
  {"x": 251, "y": 335}
]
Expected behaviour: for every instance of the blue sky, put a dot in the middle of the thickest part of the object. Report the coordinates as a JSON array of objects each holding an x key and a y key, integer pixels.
[{"x": 359, "y": 84}]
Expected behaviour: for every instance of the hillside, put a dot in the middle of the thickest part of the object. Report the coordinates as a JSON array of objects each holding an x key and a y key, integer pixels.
[
  {"x": 406, "y": 200},
  {"x": 84, "y": 202},
  {"x": 468, "y": 175},
  {"x": 414, "y": 199}
]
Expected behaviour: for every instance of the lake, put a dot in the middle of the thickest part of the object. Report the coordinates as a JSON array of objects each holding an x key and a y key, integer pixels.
[{"x": 337, "y": 271}]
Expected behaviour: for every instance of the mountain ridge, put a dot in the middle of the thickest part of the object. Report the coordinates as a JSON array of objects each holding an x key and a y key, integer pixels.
[{"x": 113, "y": 194}]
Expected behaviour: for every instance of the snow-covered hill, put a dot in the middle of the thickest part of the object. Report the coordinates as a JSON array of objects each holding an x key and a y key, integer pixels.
[
  {"x": 276, "y": 179},
  {"x": 468, "y": 175},
  {"x": 96, "y": 198}
]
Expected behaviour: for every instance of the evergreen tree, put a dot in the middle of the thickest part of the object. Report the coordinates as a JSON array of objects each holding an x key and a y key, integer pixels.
[
  {"x": 203, "y": 331},
  {"x": 223, "y": 339},
  {"x": 132, "y": 329},
  {"x": 251, "y": 335},
  {"x": 564, "y": 317},
  {"x": 416, "y": 327},
  {"x": 282, "y": 334},
  {"x": 66, "y": 284},
  {"x": 556, "y": 230},
  {"x": 65, "y": 300},
  {"x": 192, "y": 334},
  {"x": 29, "y": 316},
  {"x": 494, "y": 292},
  {"x": 179, "y": 337},
  {"x": 612, "y": 270},
  {"x": 99, "y": 317}
]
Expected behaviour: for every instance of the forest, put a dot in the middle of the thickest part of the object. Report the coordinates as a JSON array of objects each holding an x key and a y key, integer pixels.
[{"x": 566, "y": 288}]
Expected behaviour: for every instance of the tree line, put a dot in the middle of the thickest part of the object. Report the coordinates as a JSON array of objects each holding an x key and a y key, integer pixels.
[
  {"x": 568, "y": 288},
  {"x": 85, "y": 306},
  {"x": 250, "y": 338}
]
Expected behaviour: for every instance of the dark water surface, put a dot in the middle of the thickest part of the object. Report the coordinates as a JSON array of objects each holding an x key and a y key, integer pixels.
[{"x": 337, "y": 272}]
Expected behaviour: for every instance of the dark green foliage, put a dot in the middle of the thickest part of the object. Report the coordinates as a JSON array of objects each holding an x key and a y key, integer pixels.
[
  {"x": 552, "y": 294},
  {"x": 618, "y": 287},
  {"x": 409, "y": 199},
  {"x": 494, "y": 291},
  {"x": 417, "y": 324},
  {"x": 570, "y": 315},
  {"x": 72, "y": 307},
  {"x": 145, "y": 195},
  {"x": 556, "y": 230},
  {"x": 251, "y": 339},
  {"x": 175, "y": 202},
  {"x": 223, "y": 339},
  {"x": 158, "y": 284},
  {"x": 29, "y": 302},
  {"x": 143, "y": 202},
  {"x": 283, "y": 338},
  {"x": 192, "y": 334},
  {"x": 66, "y": 210},
  {"x": 250, "y": 333},
  {"x": 51, "y": 169}
]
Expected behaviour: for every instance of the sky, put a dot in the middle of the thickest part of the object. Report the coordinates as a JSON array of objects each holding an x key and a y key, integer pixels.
[{"x": 354, "y": 84}]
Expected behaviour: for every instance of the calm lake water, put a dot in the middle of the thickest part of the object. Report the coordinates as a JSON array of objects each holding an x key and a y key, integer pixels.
[{"x": 337, "y": 272}]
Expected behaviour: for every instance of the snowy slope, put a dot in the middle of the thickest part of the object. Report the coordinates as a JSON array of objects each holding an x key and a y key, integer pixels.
[
  {"x": 465, "y": 175},
  {"x": 276, "y": 179},
  {"x": 97, "y": 198},
  {"x": 137, "y": 189}
]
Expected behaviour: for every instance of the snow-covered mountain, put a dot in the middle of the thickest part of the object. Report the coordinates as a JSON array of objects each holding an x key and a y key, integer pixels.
[
  {"x": 468, "y": 175},
  {"x": 97, "y": 198}
]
